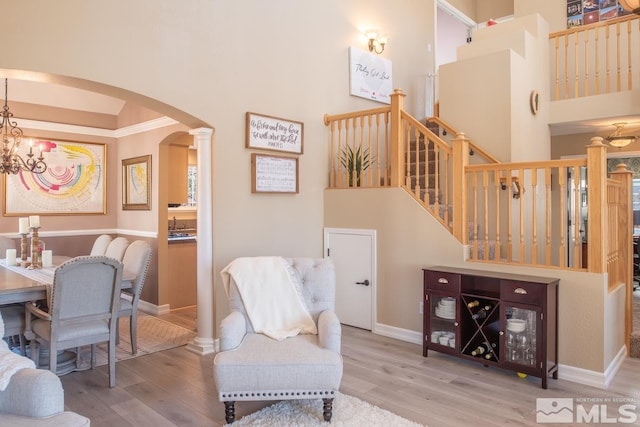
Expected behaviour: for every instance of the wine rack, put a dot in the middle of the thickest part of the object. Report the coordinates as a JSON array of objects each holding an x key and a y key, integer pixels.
[{"x": 497, "y": 319}]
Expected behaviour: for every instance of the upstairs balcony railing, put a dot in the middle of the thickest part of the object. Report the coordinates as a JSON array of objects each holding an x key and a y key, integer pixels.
[
  {"x": 564, "y": 214},
  {"x": 594, "y": 59}
]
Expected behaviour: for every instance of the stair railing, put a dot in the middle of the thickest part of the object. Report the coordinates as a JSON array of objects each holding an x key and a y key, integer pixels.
[
  {"x": 513, "y": 213},
  {"x": 596, "y": 59}
]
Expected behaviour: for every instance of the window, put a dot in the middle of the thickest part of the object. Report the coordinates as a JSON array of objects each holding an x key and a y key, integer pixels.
[{"x": 192, "y": 175}]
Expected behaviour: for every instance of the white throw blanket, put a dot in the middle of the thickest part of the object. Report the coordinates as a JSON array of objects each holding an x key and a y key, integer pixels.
[
  {"x": 272, "y": 302},
  {"x": 10, "y": 363}
]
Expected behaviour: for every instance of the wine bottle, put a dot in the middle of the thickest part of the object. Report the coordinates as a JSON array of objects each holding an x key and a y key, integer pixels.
[
  {"x": 488, "y": 306},
  {"x": 480, "y": 314},
  {"x": 488, "y": 356},
  {"x": 473, "y": 303},
  {"x": 480, "y": 350}
]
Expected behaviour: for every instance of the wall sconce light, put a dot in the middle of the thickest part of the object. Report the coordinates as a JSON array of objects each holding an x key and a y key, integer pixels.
[
  {"x": 376, "y": 41},
  {"x": 632, "y": 6},
  {"x": 617, "y": 139}
]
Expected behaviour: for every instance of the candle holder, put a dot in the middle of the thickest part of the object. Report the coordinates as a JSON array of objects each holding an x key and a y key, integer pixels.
[
  {"x": 23, "y": 250},
  {"x": 36, "y": 254}
]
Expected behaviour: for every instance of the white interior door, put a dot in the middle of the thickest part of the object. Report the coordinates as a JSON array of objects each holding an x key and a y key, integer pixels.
[{"x": 353, "y": 254}]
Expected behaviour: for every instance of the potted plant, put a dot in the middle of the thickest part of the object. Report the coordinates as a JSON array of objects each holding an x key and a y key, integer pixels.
[{"x": 355, "y": 161}]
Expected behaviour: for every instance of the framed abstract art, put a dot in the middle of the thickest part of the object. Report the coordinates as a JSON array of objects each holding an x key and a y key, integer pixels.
[{"x": 74, "y": 182}]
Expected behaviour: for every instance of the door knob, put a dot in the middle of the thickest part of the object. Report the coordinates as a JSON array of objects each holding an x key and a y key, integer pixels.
[{"x": 365, "y": 283}]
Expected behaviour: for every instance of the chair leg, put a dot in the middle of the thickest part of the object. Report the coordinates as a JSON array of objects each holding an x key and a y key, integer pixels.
[
  {"x": 112, "y": 363},
  {"x": 327, "y": 409},
  {"x": 53, "y": 359},
  {"x": 23, "y": 346},
  {"x": 93, "y": 355},
  {"x": 35, "y": 352},
  {"x": 133, "y": 326},
  {"x": 230, "y": 411}
]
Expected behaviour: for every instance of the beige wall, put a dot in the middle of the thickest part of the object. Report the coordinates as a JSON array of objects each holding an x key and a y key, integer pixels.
[
  {"x": 486, "y": 93},
  {"x": 209, "y": 63}
]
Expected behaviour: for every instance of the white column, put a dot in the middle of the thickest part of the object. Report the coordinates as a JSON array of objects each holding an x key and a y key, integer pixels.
[{"x": 204, "y": 342}]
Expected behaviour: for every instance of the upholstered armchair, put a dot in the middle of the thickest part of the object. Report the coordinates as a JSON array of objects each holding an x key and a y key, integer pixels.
[
  {"x": 254, "y": 366},
  {"x": 31, "y": 397}
]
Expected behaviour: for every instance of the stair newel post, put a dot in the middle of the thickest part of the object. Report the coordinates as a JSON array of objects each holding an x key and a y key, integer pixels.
[
  {"x": 596, "y": 205},
  {"x": 624, "y": 176},
  {"x": 397, "y": 146},
  {"x": 460, "y": 149}
]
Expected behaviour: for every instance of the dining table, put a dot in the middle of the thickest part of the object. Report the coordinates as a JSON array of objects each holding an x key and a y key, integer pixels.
[{"x": 20, "y": 284}]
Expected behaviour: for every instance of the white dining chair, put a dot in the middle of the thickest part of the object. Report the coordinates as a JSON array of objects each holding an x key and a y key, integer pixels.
[
  {"x": 100, "y": 245},
  {"x": 136, "y": 263},
  {"x": 117, "y": 248}
]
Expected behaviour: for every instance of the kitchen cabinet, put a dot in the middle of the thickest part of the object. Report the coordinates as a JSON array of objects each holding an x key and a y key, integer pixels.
[{"x": 178, "y": 165}]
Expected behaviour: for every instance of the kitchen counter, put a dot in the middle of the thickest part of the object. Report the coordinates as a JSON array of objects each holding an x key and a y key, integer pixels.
[{"x": 181, "y": 236}]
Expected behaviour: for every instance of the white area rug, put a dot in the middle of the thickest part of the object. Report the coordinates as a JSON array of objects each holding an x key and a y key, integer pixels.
[{"x": 347, "y": 411}]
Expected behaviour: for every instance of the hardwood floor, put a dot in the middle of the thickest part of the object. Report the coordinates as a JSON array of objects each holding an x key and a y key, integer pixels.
[{"x": 175, "y": 387}]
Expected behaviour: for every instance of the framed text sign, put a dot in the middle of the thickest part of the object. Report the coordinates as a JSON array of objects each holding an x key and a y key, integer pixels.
[
  {"x": 370, "y": 76},
  {"x": 273, "y": 133},
  {"x": 74, "y": 182},
  {"x": 274, "y": 174}
]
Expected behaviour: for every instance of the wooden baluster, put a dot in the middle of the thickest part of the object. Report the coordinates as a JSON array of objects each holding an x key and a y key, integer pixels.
[
  {"x": 416, "y": 135},
  {"x": 534, "y": 215},
  {"x": 445, "y": 184},
  {"x": 618, "y": 62},
  {"x": 629, "y": 58},
  {"x": 436, "y": 180},
  {"x": 509, "y": 217},
  {"x": 557, "y": 56},
  {"x": 496, "y": 183},
  {"x": 562, "y": 213},
  {"x": 607, "y": 62},
  {"x": 474, "y": 210},
  {"x": 407, "y": 139},
  {"x": 521, "y": 209},
  {"x": 576, "y": 82},
  {"x": 586, "y": 62},
  {"x": 485, "y": 217},
  {"x": 597, "y": 61},
  {"x": 332, "y": 156},
  {"x": 566, "y": 66},
  {"x": 340, "y": 171},
  {"x": 577, "y": 244},
  {"x": 547, "y": 184}
]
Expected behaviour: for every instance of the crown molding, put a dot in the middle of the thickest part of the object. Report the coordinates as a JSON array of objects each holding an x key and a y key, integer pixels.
[{"x": 92, "y": 131}]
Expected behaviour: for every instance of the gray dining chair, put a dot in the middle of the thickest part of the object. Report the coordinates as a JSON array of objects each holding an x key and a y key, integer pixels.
[
  {"x": 100, "y": 245},
  {"x": 117, "y": 248},
  {"x": 136, "y": 263},
  {"x": 13, "y": 316},
  {"x": 85, "y": 298}
]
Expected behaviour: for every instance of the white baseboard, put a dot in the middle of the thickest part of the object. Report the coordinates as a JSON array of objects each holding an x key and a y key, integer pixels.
[
  {"x": 398, "y": 333},
  {"x": 593, "y": 378},
  {"x": 565, "y": 372},
  {"x": 156, "y": 310}
]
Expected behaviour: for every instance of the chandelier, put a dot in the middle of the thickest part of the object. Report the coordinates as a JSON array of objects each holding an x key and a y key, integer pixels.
[
  {"x": 12, "y": 162},
  {"x": 617, "y": 139}
]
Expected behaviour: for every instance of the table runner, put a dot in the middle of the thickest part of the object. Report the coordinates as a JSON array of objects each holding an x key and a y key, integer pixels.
[{"x": 43, "y": 275}]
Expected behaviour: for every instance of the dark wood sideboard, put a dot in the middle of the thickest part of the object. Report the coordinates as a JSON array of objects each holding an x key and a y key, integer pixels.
[{"x": 497, "y": 319}]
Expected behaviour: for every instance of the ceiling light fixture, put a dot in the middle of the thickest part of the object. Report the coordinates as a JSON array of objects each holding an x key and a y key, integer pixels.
[
  {"x": 376, "y": 41},
  {"x": 12, "y": 163},
  {"x": 632, "y": 6},
  {"x": 617, "y": 139}
]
